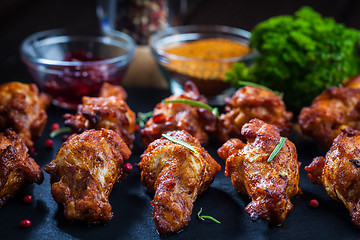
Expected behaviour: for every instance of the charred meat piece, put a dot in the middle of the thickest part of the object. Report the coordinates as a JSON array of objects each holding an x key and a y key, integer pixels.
[
  {"x": 248, "y": 103},
  {"x": 331, "y": 111},
  {"x": 339, "y": 171},
  {"x": 22, "y": 108},
  {"x": 84, "y": 172},
  {"x": 270, "y": 185},
  {"x": 179, "y": 116},
  {"x": 104, "y": 112},
  {"x": 177, "y": 176},
  {"x": 17, "y": 168}
]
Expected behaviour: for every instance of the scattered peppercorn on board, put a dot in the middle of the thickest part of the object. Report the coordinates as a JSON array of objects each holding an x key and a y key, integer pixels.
[{"x": 327, "y": 219}]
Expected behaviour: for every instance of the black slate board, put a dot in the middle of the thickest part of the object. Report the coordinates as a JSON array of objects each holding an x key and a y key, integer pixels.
[{"x": 132, "y": 209}]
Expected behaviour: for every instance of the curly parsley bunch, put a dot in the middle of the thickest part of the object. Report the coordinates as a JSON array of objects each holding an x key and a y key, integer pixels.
[{"x": 300, "y": 55}]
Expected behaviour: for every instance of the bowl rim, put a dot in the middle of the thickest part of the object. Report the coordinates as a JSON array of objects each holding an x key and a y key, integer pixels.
[
  {"x": 172, "y": 32},
  {"x": 58, "y": 34}
]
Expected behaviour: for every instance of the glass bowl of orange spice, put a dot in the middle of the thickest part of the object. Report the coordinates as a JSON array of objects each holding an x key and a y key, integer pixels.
[{"x": 202, "y": 54}]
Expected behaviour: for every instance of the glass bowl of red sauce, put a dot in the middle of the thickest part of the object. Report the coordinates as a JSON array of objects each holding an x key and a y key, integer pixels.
[
  {"x": 202, "y": 54},
  {"x": 68, "y": 66}
]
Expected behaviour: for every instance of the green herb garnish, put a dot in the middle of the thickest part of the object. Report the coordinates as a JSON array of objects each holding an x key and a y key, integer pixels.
[
  {"x": 174, "y": 140},
  {"x": 301, "y": 55},
  {"x": 277, "y": 149},
  {"x": 202, "y": 217},
  {"x": 59, "y": 131},
  {"x": 214, "y": 111},
  {"x": 143, "y": 117}
]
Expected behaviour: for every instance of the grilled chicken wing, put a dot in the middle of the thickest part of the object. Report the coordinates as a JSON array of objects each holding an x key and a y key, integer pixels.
[
  {"x": 104, "y": 112},
  {"x": 84, "y": 172},
  {"x": 109, "y": 90},
  {"x": 331, "y": 111},
  {"x": 248, "y": 103},
  {"x": 178, "y": 116},
  {"x": 339, "y": 171},
  {"x": 269, "y": 184},
  {"x": 17, "y": 169},
  {"x": 22, "y": 108},
  {"x": 177, "y": 176}
]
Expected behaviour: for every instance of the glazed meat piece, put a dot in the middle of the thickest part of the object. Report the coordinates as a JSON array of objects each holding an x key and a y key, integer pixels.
[
  {"x": 248, "y": 103},
  {"x": 109, "y": 90},
  {"x": 270, "y": 185},
  {"x": 177, "y": 176},
  {"x": 179, "y": 116},
  {"x": 17, "y": 168},
  {"x": 84, "y": 172},
  {"x": 339, "y": 171},
  {"x": 104, "y": 112},
  {"x": 331, "y": 111},
  {"x": 22, "y": 108}
]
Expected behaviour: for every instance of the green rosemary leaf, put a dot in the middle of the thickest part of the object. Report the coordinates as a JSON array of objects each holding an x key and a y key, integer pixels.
[
  {"x": 244, "y": 83},
  {"x": 214, "y": 111},
  {"x": 277, "y": 149},
  {"x": 143, "y": 117},
  {"x": 174, "y": 140},
  {"x": 59, "y": 131},
  {"x": 203, "y": 217}
]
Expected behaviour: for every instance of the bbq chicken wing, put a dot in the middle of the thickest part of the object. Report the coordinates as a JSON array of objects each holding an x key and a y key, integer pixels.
[
  {"x": 339, "y": 171},
  {"x": 22, "y": 108},
  {"x": 17, "y": 169},
  {"x": 248, "y": 103},
  {"x": 179, "y": 116},
  {"x": 104, "y": 112},
  {"x": 331, "y": 111},
  {"x": 109, "y": 90},
  {"x": 84, "y": 172},
  {"x": 269, "y": 184},
  {"x": 177, "y": 176}
]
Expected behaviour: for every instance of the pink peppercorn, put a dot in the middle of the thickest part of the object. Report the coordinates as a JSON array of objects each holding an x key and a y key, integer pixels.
[
  {"x": 314, "y": 203},
  {"x": 27, "y": 199},
  {"x": 127, "y": 167},
  {"x": 55, "y": 126},
  {"x": 49, "y": 143},
  {"x": 25, "y": 223}
]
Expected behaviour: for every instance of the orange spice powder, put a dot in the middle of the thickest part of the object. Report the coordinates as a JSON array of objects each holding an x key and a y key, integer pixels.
[{"x": 206, "y": 54}]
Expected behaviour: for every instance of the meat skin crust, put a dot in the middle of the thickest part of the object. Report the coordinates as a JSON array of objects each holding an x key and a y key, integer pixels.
[
  {"x": 84, "y": 172},
  {"x": 17, "y": 168},
  {"x": 177, "y": 176},
  {"x": 339, "y": 171},
  {"x": 270, "y": 185}
]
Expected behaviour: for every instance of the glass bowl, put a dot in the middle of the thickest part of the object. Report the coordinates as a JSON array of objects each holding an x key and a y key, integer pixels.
[
  {"x": 208, "y": 74},
  {"x": 68, "y": 66}
]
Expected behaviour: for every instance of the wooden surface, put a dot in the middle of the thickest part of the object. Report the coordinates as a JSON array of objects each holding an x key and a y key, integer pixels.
[{"x": 20, "y": 18}]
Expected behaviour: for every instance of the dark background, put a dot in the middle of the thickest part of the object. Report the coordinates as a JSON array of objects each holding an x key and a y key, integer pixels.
[{"x": 20, "y": 18}]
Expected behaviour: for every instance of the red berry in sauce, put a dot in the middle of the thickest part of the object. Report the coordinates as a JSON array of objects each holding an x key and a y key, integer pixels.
[
  {"x": 27, "y": 199},
  {"x": 55, "y": 126},
  {"x": 127, "y": 167},
  {"x": 49, "y": 143},
  {"x": 314, "y": 203},
  {"x": 25, "y": 223}
]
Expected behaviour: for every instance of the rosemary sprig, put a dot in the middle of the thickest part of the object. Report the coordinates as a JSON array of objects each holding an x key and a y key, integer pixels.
[
  {"x": 244, "y": 83},
  {"x": 174, "y": 140},
  {"x": 202, "y": 217},
  {"x": 277, "y": 149},
  {"x": 214, "y": 111},
  {"x": 143, "y": 117},
  {"x": 59, "y": 131}
]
